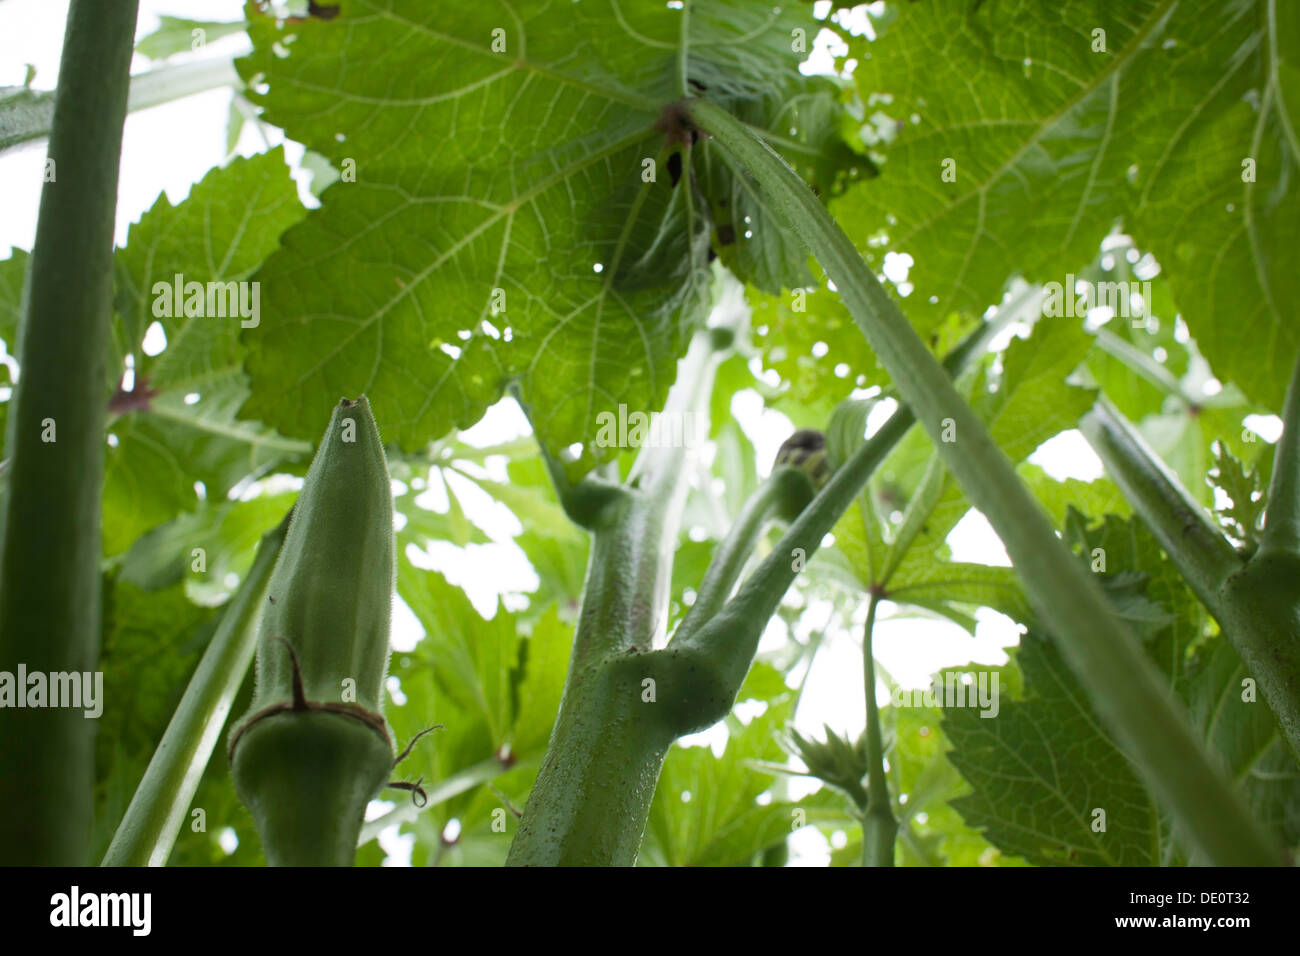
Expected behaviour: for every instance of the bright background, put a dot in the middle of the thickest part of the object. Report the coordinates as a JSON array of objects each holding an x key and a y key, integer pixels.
[{"x": 168, "y": 148}]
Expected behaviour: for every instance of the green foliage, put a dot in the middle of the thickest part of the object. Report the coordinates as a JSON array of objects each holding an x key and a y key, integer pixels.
[
  {"x": 1043, "y": 768},
  {"x": 151, "y": 644},
  {"x": 472, "y": 182},
  {"x": 1243, "y": 516},
  {"x": 836, "y": 761},
  {"x": 1101, "y": 113},
  {"x": 706, "y": 810},
  {"x": 602, "y": 274},
  {"x": 177, "y": 35}
]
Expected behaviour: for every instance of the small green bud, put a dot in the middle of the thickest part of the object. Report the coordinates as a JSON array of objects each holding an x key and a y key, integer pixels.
[
  {"x": 806, "y": 450},
  {"x": 801, "y": 469}
]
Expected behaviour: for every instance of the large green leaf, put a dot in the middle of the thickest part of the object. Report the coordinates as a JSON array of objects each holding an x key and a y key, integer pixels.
[
  {"x": 230, "y": 222},
  {"x": 923, "y": 785},
  {"x": 1042, "y": 766},
  {"x": 1059, "y": 120},
  {"x": 499, "y": 228},
  {"x": 189, "y": 432}
]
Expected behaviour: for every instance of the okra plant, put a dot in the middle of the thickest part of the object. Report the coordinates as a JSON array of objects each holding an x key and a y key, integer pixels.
[{"x": 563, "y": 267}]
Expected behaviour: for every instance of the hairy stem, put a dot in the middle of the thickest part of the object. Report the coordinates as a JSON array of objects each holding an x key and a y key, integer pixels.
[
  {"x": 49, "y": 562},
  {"x": 593, "y": 792},
  {"x": 1203, "y": 554},
  {"x": 624, "y": 702},
  {"x": 879, "y": 828},
  {"x": 1255, "y": 602},
  {"x": 1122, "y": 683},
  {"x": 727, "y": 641},
  {"x": 148, "y": 830},
  {"x": 769, "y": 501}
]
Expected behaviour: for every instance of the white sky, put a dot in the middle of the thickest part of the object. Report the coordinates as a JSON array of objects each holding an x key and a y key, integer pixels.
[{"x": 170, "y": 147}]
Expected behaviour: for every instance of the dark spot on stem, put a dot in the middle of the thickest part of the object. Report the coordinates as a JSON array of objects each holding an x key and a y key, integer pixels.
[{"x": 675, "y": 123}]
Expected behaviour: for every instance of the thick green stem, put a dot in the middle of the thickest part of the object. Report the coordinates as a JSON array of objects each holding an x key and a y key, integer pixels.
[
  {"x": 1262, "y": 600},
  {"x": 879, "y": 828},
  {"x": 1202, "y": 552},
  {"x": 625, "y": 703},
  {"x": 725, "y": 644},
  {"x": 1122, "y": 683},
  {"x": 49, "y": 565},
  {"x": 1256, "y": 602},
  {"x": 592, "y": 795},
  {"x": 148, "y": 830},
  {"x": 784, "y": 487},
  {"x": 1261, "y": 617}
]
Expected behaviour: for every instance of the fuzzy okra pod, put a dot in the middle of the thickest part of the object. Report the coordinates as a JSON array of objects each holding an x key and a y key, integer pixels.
[{"x": 314, "y": 748}]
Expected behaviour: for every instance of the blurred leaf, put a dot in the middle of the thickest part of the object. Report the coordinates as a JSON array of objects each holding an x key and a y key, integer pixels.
[
  {"x": 544, "y": 660},
  {"x": 1243, "y": 517},
  {"x": 151, "y": 643},
  {"x": 177, "y": 35},
  {"x": 721, "y": 823}
]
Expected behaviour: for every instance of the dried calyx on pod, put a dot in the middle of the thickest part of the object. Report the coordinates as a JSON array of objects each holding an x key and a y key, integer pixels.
[{"x": 314, "y": 747}]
